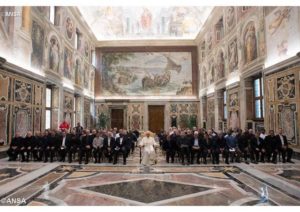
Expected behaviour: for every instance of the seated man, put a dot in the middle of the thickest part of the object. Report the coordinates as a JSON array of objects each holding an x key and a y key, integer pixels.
[
  {"x": 108, "y": 144},
  {"x": 28, "y": 147},
  {"x": 97, "y": 148},
  {"x": 14, "y": 147},
  {"x": 284, "y": 148},
  {"x": 84, "y": 147},
  {"x": 71, "y": 145},
  {"x": 254, "y": 147},
  {"x": 272, "y": 147},
  {"x": 122, "y": 145}
]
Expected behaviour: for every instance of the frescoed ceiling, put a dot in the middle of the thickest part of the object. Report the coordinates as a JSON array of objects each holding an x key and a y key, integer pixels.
[{"x": 126, "y": 23}]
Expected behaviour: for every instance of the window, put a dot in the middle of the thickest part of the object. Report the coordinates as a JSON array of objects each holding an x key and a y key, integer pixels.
[
  {"x": 258, "y": 98},
  {"x": 74, "y": 111},
  {"x": 219, "y": 30},
  {"x": 224, "y": 105},
  {"x": 77, "y": 39},
  {"x": 203, "y": 50},
  {"x": 48, "y": 108},
  {"x": 94, "y": 58},
  {"x": 52, "y": 14}
]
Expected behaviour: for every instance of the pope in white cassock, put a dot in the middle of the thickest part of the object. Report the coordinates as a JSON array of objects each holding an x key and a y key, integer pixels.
[{"x": 148, "y": 144}]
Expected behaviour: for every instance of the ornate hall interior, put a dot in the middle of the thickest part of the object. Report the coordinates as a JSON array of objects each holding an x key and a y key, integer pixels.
[{"x": 149, "y": 105}]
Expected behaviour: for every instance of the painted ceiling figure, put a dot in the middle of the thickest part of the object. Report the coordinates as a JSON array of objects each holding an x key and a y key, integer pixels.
[{"x": 146, "y": 19}]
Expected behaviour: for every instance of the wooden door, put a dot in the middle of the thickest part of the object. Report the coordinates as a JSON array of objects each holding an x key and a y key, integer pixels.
[
  {"x": 156, "y": 117},
  {"x": 117, "y": 118}
]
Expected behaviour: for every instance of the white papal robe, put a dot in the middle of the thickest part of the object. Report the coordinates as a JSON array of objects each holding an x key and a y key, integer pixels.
[{"x": 148, "y": 152}]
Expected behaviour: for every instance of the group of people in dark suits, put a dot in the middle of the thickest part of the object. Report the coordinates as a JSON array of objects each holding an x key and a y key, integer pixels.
[
  {"x": 200, "y": 144},
  {"x": 54, "y": 144}
]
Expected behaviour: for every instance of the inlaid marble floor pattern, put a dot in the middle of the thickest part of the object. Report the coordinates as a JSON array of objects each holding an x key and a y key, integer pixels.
[{"x": 47, "y": 184}]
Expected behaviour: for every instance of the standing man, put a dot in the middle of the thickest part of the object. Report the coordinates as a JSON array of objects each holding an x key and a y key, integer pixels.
[
  {"x": 184, "y": 145},
  {"x": 195, "y": 148},
  {"x": 78, "y": 129}
]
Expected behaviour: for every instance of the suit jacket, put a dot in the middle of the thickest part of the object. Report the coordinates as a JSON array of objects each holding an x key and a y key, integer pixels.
[
  {"x": 126, "y": 144},
  {"x": 16, "y": 142},
  {"x": 285, "y": 142},
  {"x": 272, "y": 142},
  {"x": 112, "y": 143}
]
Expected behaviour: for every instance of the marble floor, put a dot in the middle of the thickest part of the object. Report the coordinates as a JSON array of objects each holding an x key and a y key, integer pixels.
[{"x": 46, "y": 184}]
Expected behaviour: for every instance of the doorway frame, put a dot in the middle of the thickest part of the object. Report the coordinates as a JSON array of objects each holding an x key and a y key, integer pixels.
[
  {"x": 146, "y": 124},
  {"x": 120, "y": 107}
]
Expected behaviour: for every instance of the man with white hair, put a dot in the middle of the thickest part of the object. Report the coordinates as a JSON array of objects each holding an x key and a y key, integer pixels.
[{"x": 148, "y": 143}]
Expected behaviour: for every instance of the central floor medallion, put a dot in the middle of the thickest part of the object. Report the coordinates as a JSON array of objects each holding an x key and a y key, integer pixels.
[{"x": 147, "y": 191}]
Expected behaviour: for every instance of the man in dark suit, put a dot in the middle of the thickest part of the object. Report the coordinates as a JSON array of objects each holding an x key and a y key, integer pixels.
[
  {"x": 39, "y": 146},
  {"x": 14, "y": 147},
  {"x": 284, "y": 148},
  {"x": 85, "y": 147},
  {"x": 169, "y": 145},
  {"x": 254, "y": 147},
  {"x": 108, "y": 144},
  {"x": 29, "y": 143},
  {"x": 243, "y": 143},
  {"x": 215, "y": 147},
  {"x": 272, "y": 146},
  {"x": 122, "y": 145},
  {"x": 195, "y": 150},
  {"x": 184, "y": 144},
  {"x": 71, "y": 145}
]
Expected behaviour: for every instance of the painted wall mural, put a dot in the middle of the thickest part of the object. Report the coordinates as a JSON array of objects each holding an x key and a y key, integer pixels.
[
  {"x": 220, "y": 66},
  {"x": 250, "y": 43},
  {"x": 54, "y": 57},
  {"x": 86, "y": 74},
  {"x": 22, "y": 119},
  {"x": 4, "y": 87},
  {"x": 183, "y": 115},
  {"x": 37, "y": 121},
  {"x": 210, "y": 113},
  {"x": 4, "y": 123},
  {"x": 282, "y": 34},
  {"x": 282, "y": 101},
  {"x": 232, "y": 55},
  {"x": 21, "y": 105},
  {"x": 135, "y": 116},
  {"x": 68, "y": 64},
  {"x": 23, "y": 91},
  {"x": 286, "y": 87},
  {"x": 147, "y": 73},
  {"x": 110, "y": 23},
  {"x": 230, "y": 18},
  {"x": 37, "y": 36},
  {"x": 68, "y": 107},
  {"x": 69, "y": 28},
  {"x": 287, "y": 121},
  {"x": 233, "y": 103}
]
